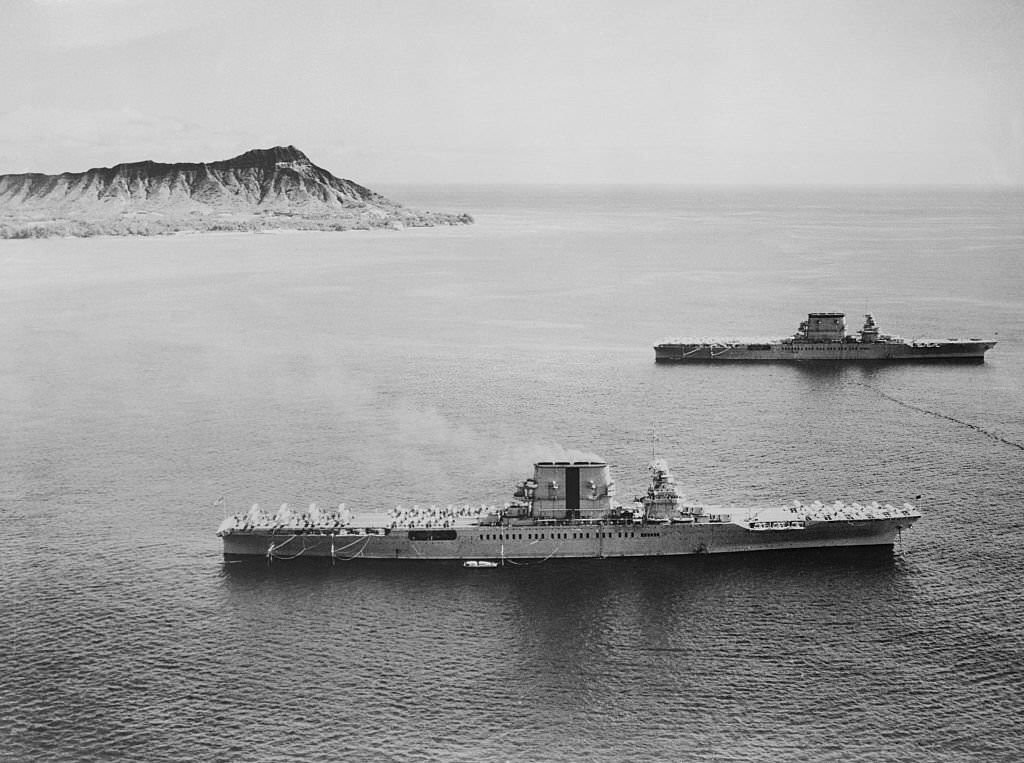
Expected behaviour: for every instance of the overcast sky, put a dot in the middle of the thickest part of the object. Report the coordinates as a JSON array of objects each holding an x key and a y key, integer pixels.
[{"x": 637, "y": 91}]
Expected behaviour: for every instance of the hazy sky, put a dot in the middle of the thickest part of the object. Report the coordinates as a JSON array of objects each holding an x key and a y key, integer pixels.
[{"x": 681, "y": 91}]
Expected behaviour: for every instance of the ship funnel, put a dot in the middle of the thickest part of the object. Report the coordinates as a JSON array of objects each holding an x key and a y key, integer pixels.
[
  {"x": 826, "y": 327},
  {"x": 570, "y": 489}
]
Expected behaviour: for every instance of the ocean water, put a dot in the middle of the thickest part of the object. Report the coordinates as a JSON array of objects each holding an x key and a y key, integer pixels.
[{"x": 149, "y": 386}]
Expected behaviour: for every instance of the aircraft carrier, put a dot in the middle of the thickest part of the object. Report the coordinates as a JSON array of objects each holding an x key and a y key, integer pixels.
[
  {"x": 822, "y": 338},
  {"x": 567, "y": 509}
]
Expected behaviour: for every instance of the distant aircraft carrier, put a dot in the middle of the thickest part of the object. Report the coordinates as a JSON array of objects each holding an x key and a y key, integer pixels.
[{"x": 823, "y": 337}]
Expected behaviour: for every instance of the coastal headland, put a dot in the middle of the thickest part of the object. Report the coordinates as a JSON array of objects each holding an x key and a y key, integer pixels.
[{"x": 277, "y": 188}]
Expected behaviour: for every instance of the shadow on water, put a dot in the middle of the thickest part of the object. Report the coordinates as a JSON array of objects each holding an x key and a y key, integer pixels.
[
  {"x": 815, "y": 377},
  {"x": 560, "y": 611}
]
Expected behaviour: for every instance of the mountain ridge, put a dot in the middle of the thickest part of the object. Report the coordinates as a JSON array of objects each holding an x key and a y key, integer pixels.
[{"x": 260, "y": 189}]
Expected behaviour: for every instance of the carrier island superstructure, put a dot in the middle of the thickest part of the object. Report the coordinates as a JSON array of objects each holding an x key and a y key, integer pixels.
[
  {"x": 567, "y": 509},
  {"x": 823, "y": 338}
]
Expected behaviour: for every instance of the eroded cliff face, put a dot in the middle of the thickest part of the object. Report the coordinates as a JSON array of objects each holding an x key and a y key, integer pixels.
[{"x": 261, "y": 189}]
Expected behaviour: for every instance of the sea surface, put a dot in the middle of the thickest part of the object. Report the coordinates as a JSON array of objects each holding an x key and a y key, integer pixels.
[{"x": 149, "y": 387}]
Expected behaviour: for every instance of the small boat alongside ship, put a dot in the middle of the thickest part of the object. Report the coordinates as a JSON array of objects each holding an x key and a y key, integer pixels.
[
  {"x": 823, "y": 338},
  {"x": 566, "y": 510}
]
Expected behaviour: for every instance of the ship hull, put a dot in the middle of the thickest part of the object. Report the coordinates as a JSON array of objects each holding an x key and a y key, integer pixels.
[
  {"x": 531, "y": 542},
  {"x": 824, "y": 352}
]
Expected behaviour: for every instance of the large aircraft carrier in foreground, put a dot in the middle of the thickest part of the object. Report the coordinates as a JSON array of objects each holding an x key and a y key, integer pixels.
[{"x": 565, "y": 510}]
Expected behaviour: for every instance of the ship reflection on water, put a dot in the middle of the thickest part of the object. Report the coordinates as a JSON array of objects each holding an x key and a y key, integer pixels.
[{"x": 551, "y": 639}]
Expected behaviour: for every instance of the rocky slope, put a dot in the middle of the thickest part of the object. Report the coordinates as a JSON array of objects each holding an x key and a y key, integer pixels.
[{"x": 263, "y": 189}]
